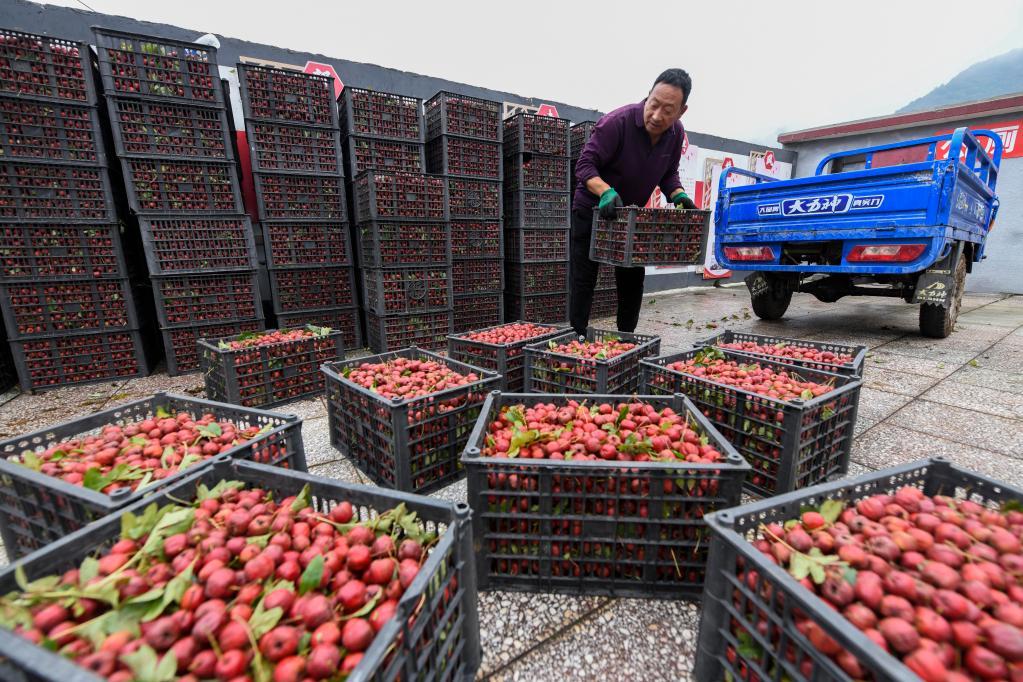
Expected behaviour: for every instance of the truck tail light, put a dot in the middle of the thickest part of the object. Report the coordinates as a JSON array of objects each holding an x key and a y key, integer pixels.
[
  {"x": 749, "y": 253},
  {"x": 886, "y": 253}
]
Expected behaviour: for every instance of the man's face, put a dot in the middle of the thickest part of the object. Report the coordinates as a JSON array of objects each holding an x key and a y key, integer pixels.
[{"x": 663, "y": 107}]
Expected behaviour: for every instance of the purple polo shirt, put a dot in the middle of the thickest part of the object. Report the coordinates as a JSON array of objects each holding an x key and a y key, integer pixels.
[{"x": 619, "y": 151}]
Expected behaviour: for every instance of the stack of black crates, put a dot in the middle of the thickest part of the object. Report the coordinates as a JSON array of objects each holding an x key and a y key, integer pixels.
[
  {"x": 67, "y": 300},
  {"x": 169, "y": 120},
  {"x": 401, "y": 221},
  {"x": 536, "y": 217},
  {"x": 463, "y": 136},
  {"x": 605, "y": 296},
  {"x": 294, "y": 141}
]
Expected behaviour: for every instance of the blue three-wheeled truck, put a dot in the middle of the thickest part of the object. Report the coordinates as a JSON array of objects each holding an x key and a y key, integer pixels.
[{"x": 891, "y": 220}]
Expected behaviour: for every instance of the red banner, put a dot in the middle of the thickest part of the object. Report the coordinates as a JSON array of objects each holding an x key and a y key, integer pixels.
[{"x": 1009, "y": 131}]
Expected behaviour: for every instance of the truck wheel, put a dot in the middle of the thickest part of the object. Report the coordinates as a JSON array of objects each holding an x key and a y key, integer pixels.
[
  {"x": 938, "y": 321},
  {"x": 772, "y": 304}
]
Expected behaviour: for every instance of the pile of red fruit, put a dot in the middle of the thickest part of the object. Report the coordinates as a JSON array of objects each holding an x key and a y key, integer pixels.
[
  {"x": 624, "y": 432},
  {"x": 514, "y": 332},
  {"x": 134, "y": 455},
  {"x": 593, "y": 350},
  {"x": 935, "y": 581},
  {"x": 788, "y": 350},
  {"x": 753, "y": 377},
  {"x": 407, "y": 378},
  {"x": 238, "y": 586},
  {"x": 271, "y": 337}
]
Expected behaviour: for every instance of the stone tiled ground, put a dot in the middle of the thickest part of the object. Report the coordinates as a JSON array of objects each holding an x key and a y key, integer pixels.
[{"x": 961, "y": 398}]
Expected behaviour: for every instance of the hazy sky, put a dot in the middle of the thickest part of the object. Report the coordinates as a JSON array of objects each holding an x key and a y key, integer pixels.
[{"x": 758, "y": 68}]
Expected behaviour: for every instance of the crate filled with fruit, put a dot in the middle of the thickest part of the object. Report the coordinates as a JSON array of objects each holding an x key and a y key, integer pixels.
[
  {"x": 500, "y": 349},
  {"x": 596, "y": 494},
  {"x": 794, "y": 425},
  {"x": 830, "y": 357},
  {"x": 404, "y": 417},
  {"x": 246, "y": 572},
  {"x": 58, "y": 479},
  {"x": 260, "y": 369},
  {"x": 603, "y": 362},
  {"x": 910, "y": 573},
  {"x": 650, "y": 236}
]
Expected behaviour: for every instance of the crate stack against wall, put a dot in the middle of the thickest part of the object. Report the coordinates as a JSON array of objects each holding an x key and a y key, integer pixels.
[
  {"x": 170, "y": 129},
  {"x": 401, "y": 216},
  {"x": 605, "y": 296},
  {"x": 295, "y": 147},
  {"x": 67, "y": 301},
  {"x": 536, "y": 218},
  {"x": 464, "y": 144}
]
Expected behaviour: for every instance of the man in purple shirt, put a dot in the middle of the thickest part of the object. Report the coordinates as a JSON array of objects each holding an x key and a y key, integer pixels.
[{"x": 631, "y": 150}]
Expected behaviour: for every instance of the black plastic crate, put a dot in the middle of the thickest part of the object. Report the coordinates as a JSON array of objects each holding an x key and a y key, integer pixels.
[
  {"x": 474, "y": 199},
  {"x": 605, "y": 303},
  {"x": 169, "y": 130},
  {"x": 464, "y": 157},
  {"x": 345, "y": 320},
  {"x": 54, "y": 361},
  {"x": 536, "y": 278},
  {"x": 448, "y": 113},
  {"x": 38, "y": 509},
  {"x": 476, "y": 311},
  {"x": 853, "y": 368},
  {"x": 283, "y": 196},
  {"x": 410, "y": 289},
  {"x": 436, "y": 631},
  {"x": 136, "y": 65},
  {"x": 535, "y": 245},
  {"x": 606, "y": 278},
  {"x": 549, "y": 371},
  {"x": 196, "y": 298},
  {"x": 791, "y": 444},
  {"x": 181, "y": 186},
  {"x": 536, "y": 172},
  {"x": 751, "y": 605},
  {"x": 578, "y": 136},
  {"x": 650, "y": 236},
  {"x": 296, "y": 290},
  {"x": 387, "y": 243},
  {"x": 531, "y": 134},
  {"x": 283, "y": 148},
  {"x": 477, "y": 276},
  {"x": 366, "y": 153},
  {"x": 614, "y": 528},
  {"x": 180, "y": 245},
  {"x": 67, "y": 306},
  {"x": 33, "y": 251},
  {"x": 271, "y": 94},
  {"x": 505, "y": 359},
  {"x": 49, "y": 132},
  {"x": 391, "y": 332},
  {"x": 43, "y": 191},
  {"x": 381, "y": 114},
  {"x": 291, "y": 244},
  {"x": 411, "y": 445},
  {"x": 537, "y": 210},
  {"x": 44, "y": 67},
  {"x": 476, "y": 239},
  {"x": 386, "y": 195},
  {"x": 267, "y": 374},
  {"x": 552, "y": 308},
  {"x": 180, "y": 343}
]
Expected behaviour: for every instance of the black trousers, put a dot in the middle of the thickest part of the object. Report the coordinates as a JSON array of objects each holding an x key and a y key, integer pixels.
[{"x": 629, "y": 281}]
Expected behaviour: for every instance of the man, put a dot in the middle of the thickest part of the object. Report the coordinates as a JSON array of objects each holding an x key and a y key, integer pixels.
[{"x": 631, "y": 150}]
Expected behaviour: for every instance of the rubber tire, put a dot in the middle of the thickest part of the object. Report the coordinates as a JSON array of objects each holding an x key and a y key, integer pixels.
[
  {"x": 773, "y": 304},
  {"x": 937, "y": 321}
]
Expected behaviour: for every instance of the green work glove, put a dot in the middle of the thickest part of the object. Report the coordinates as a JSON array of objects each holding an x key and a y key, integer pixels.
[
  {"x": 682, "y": 200},
  {"x": 609, "y": 204}
]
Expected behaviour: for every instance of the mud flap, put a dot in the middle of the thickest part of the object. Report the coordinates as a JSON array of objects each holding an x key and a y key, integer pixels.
[
  {"x": 757, "y": 284},
  {"x": 936, "y": 284}
]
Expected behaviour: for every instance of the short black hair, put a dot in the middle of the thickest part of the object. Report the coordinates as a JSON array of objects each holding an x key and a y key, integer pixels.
[{"x": 677, "y": 78}]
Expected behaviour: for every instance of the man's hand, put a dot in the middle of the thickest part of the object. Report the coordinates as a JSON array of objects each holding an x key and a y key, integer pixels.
[
  {"x": 609, "y": 204},
  {"x": 682, "y": 200}
]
